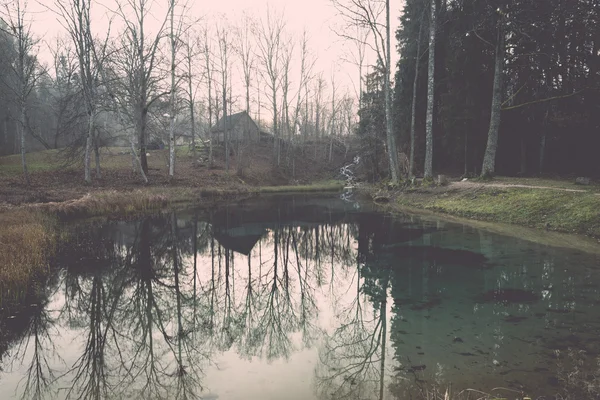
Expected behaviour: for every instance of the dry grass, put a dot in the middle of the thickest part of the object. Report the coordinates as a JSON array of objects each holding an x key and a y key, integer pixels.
[{"x": 26, "y": 240}]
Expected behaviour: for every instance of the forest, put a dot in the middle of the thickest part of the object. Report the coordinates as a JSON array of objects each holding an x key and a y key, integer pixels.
[
  {"x": 481, "y": 87},
  {"x": 542, "y": 57}
]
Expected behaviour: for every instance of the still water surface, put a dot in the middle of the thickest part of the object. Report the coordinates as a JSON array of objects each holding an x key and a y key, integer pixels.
[{"x": 299, "y": 298}]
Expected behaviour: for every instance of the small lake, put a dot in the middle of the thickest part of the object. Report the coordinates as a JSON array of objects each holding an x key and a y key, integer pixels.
[{"x": 300, "y": 298}]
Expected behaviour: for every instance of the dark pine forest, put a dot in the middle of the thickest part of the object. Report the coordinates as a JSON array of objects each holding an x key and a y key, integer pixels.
[{"x": 550, "y": 97}]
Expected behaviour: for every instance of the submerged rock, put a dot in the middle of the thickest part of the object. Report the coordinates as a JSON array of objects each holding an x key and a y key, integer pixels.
[
  {"x": 508, "y": 296},
  {"x": 514, "y": 319},
  {"x": 442, "y": 256},
  {"x": 427, "y": 305},
  {"x": 582, "y": 180}
]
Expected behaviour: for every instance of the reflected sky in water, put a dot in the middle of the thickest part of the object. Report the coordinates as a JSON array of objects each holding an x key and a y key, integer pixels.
[{"x": 299, "y": 298}]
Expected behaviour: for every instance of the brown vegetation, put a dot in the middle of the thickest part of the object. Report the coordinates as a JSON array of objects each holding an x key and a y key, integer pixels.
[
  {"x": 53, "y": 182},
  {"x": 26, "y": 240},
  {"x": 26, "y": 212}
]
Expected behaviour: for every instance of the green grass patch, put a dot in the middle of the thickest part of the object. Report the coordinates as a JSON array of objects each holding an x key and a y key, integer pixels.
[
  {"x": 47, "y": 160},
  {"x": 571, "y": 212},
  {"x": 559, "y": 183}
]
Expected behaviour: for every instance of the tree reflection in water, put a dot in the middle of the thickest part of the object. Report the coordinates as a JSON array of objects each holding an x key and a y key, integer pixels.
[{"x": 152, "y": 308}]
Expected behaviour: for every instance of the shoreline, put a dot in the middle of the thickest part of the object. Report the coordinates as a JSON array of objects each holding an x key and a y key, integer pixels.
[
  {"x": 560, "y": 219},
  {"x": 29, "y": 232},
  {"x": 579, "y": 230}
]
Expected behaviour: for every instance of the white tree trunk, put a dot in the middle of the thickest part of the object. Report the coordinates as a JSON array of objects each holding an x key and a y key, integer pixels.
[
  {"x": 489, "y": 160},
  {"x": 413, "y": 117},
  {"x": 391, "y": 138},
  {"x": 428, "y": 172}
]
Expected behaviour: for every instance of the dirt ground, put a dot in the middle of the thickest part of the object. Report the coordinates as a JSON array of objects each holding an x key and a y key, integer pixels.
[{"x": 53, "y": 182}]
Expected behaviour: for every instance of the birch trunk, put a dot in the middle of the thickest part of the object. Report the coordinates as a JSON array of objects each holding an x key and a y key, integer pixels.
[
  {"x": 489, "y": 160},
  {"x": 210, "y": 99},
  {"x": 391, "y": 139},
  {"x": 430, "y": 95},
  {"x": 413, "y": 118},
  {"x": 275, "y": 128}
]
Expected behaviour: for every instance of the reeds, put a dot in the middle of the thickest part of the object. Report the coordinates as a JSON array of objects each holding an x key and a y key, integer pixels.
[{"x": 26, "y": 240}]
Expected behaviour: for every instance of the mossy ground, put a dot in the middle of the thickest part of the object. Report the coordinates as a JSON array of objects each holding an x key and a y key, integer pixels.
[{"x": 562, "y": 211}]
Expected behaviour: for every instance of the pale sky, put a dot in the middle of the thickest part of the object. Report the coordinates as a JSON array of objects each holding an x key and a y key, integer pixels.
[{"x": 318, "y": 16}]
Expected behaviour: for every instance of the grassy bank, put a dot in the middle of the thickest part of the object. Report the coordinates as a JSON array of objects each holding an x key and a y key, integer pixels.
[
  {"x": 27, "y": 239},
  {"x": 561, "y": 211}
]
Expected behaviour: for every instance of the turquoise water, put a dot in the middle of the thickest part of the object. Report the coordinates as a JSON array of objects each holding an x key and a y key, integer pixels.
[{"x": 302, "y": 298}]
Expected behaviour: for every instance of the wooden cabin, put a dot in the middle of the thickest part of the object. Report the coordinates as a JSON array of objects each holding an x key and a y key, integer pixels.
[{"x": 239, "y": 126}]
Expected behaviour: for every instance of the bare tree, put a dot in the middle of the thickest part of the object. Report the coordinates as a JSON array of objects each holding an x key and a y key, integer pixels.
[
  {"x": 368, "y": 14},
  {"x": 357, "y": 56},
  {"x": 224, "y": 43},
  {"x": 25, "y": 68},
  {"x": 207, "y": 51},
  {"x": 244, "y": 49},
  {"x": 287, "y": 59},
  {"x": 66, "y": 94},
  {"x": 173, "y": 99},
  {"x": 192, "y": 50},
  {"x": 176, "y": 33},
  {"x": 269, "y": 34},
  {"x": 138, "y": 67},
  {"x": 75, "y": 17},
  {"x": 333, "y": 116},
  {"x": 306, "y": 66},
  {"x": 428, "y": 172},
  {"x": 319, "y": 87}
]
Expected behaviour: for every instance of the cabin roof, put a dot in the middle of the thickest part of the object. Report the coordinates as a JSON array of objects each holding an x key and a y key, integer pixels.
[{"x": 228, "y": 124}]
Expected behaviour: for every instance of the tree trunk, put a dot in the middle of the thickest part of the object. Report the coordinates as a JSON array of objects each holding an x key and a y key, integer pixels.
[
  {"x": 225, "y": 127},
  {"x": 5, "y": 134},
  {"x": 88, "y": 149},
  {"x": 413, "y": 118},
  {"x": 138, "y": 161},
  {"x": 210, "y": 112},
  {"x": 141, "y": 122},
  {"x": 489, "y": 160},
  {"x": 23, "y": 149},
  {"x": 97, "y": 157},
  {"x": 277, "y": 149},
  {"x": 172, "y": 112},
  {"x": 430, "y": 95},
  {"x": 389, "y": 124},
  {"x": 466, "y": 152},
  {"x": 193, "y": 122},
  {"x": 523, "y": 169}
]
